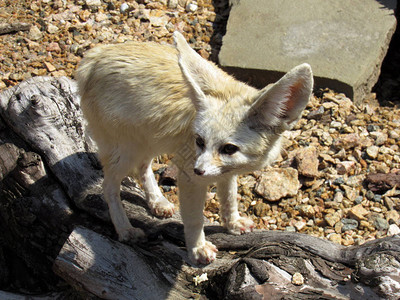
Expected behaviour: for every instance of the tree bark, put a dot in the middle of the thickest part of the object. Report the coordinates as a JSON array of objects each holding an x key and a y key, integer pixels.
[{"x": 54, "y": 220}]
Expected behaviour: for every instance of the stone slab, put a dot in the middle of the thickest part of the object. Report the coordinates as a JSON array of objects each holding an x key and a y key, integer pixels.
[{"x": 344, "y": 41}]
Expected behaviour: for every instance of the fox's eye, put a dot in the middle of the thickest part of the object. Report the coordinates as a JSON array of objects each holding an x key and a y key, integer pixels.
[
  {"x": 229, "y": 149},
  {"x": 200, "y": 142}
]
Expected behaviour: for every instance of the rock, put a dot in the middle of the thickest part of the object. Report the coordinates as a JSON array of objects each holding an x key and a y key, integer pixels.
[
  {"x": 35, "y": 34},
  {"x": 316, "y": 114},
  {"x": 261, "y": 209},
  {"x": 379, "y": 137},
  {"x": 355, "y": 181},
  {"x": 52, "y": 28},
  {"x": 290, "y": 229},
  {"x": 182, "y": 3},
  {"x": 358, "y": 199},
  {"x": 388, "y": 202},
  {"x": 204, "y": 53},
  {"x": 336, "y": 124},
  {"x": 332, "y": 218},
  {"x": 394, "y": 135},
  {"x": 381, "y": 224},
  {"x": 297, "y": 279},
  {"x": 274, "y": 183},
  {"x": 382, "y": 182},
  {"x": 173, "y": 4},
  {"x": 93, "y": 3},
  {"x": 289, "y": 33},
  {"x": 306, "y": 210},
  {"x": 349, "y": 224},
  {"x": 169, "y": 176},
  {"x": 49, "y": 67},
  {"x": 358, "y": 212},
  {"x": 338, "y": 198},
  {"x": 377, "y": 198},
  {"x": 347, "y": 141},
  {"x": 372, "y": 128},
  {"x": 124, "y": 8},
  {"x": 299, "y": 224},
  {"x": 339, "y": 181},
  {"x": 392, "y": 216},
  {"x": 53, "y": 47},
  {"x": 307, "y": 162},
  {"x": 350, "y": 192},
  {"x": 159, "y": 21},
  {"x": 191, "y": 7},
  {"x": 393, "y": 229},
  {"x": 345, "y": 167},
  {"x": 100, "y": 17},
  {"x": 336, "y": 238}
]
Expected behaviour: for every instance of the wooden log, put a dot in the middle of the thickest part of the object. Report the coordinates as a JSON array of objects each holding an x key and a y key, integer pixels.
[
  {"x": 108, "y": 269},
  {"x": 50, "y": 183},
  {"x": 48, "y": 296},
  {"x": 111, "y": 270}
]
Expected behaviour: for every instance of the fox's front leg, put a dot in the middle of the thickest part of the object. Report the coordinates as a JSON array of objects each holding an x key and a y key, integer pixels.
[
  {"x": 191, "y": 197},
  {"x": 231, "y": 220}
]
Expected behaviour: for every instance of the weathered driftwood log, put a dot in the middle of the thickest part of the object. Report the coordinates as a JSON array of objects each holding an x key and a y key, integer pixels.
[{"x": 50, "y": 186}]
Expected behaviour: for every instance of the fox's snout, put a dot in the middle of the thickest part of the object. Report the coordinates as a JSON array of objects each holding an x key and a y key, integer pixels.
[
  {"x": 207, "y": 165},
  {"x": 198, "y": 171}
]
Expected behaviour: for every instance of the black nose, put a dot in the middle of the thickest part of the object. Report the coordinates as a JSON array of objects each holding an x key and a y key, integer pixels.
[{"x": 198, "y": 171}]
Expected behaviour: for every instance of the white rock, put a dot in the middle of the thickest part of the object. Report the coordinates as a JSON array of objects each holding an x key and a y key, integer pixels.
[
  {"x": 191, "y": 7},
  {"x": 35, "y": 33},
  {"x": 52, "y": 28},
  {"x": 123, "y": 8},
  {"x": 159, "y": 21},
  {"x": 393, "y": 229},
  {"x": 93, "y": 2},
  {"x": 394, "y": 135},
  {"x": 372, "y": 151},
  {"x": 336, "y": 124}
]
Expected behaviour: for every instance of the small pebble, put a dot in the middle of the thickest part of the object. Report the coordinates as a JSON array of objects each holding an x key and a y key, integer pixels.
[
  {"x": 377, "y": 198},
  {"x": 381, "y": 224},
  {"x": 297, "y": 279},
  {"x": 124, "y": 8},
  {"x": 191, "y": 7}
]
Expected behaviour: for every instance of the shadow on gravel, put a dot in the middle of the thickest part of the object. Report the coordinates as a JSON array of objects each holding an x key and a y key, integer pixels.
[
  {"x": 222, "y": 10},
  {"x": 387, "y": 88}
]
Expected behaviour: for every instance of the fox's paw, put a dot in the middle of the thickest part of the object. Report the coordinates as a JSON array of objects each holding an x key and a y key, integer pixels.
[
  {"x": 162, "y": 208},
  {"x": 131, "y": 235},
  {"x": 203, "y": 254},
  {"x": 240, "y": 226}
]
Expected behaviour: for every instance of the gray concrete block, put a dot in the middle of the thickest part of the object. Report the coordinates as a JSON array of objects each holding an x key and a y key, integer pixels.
[{"x": 344, "y": 41}]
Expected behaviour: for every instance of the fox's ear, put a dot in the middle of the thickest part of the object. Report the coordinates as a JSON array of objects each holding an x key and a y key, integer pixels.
[
  {"x": 198, "y": 72},
  {"x": 280, "y": 106}
]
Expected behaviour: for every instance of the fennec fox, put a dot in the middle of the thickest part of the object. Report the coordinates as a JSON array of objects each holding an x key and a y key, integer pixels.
[{"x": 145, "y": 99}]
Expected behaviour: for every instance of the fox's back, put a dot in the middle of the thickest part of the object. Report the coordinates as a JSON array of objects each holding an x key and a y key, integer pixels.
[{"x": 134, "y": 85}]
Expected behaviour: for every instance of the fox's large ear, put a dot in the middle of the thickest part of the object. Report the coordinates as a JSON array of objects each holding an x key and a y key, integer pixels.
[
  {"x": 197, "y": 71},
  {"x": 280, "y": 106}
]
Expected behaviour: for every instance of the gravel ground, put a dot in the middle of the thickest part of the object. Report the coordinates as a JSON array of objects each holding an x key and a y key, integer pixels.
[{"x": 325, "y": 180}]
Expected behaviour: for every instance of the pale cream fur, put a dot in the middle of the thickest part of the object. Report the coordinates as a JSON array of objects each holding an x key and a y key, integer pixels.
[{"x": 145, "y": 99}]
